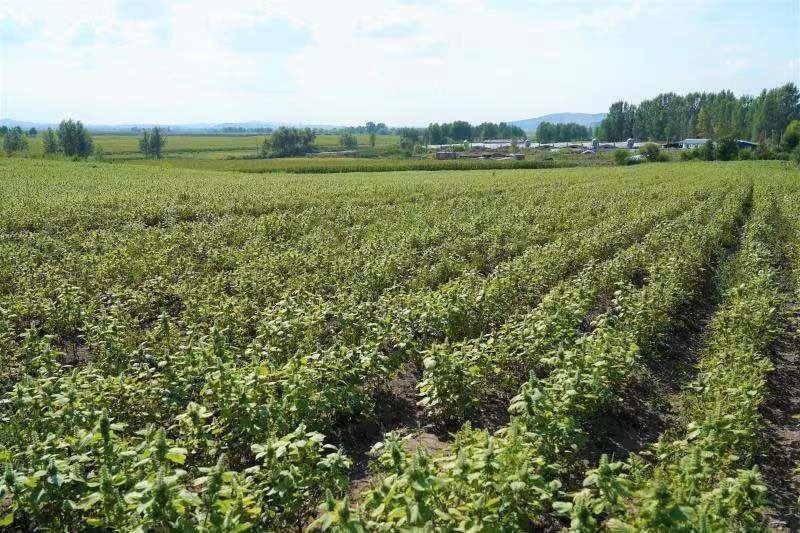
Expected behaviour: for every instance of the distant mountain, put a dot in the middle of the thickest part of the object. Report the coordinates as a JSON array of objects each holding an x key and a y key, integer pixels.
[
  {"x": 584, "y": 119},
  {"x": 23, "y": 124}
]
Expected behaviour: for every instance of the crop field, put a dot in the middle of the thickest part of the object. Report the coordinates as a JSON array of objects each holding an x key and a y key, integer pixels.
[
  {"x": 207, "y": 146},
  {"x": 603, "y": 348},
  {"x": 328, "y": 165}
]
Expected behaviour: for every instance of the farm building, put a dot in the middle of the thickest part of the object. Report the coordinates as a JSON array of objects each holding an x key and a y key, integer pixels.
[
  {"x": 746, "y": 144},
  {"x": 693, "y": 143}
]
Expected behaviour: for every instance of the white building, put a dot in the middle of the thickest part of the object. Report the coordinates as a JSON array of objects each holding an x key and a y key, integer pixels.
[{"x": 693, "y": 143}]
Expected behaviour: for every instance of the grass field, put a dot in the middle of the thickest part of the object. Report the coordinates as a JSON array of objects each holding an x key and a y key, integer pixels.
[
  {"x": 205, "y": 350},
  {"x": 208, "y": 146}
]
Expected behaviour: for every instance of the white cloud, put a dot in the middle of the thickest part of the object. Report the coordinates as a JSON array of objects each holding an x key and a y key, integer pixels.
[{"x": 396, "y": 61}]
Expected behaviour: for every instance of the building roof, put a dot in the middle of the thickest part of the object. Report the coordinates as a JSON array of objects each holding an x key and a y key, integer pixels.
[{"x": 694, "y": 141}]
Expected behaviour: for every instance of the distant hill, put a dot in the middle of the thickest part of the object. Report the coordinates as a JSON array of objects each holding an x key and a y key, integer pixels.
[
  {"x": 174, "y": 128},
  {"x": 584, "y": 119}
]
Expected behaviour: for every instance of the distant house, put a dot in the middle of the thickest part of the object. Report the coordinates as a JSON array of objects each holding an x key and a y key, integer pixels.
[
  {"x": 693, "y": 143},
  {"x": 446, "y": 155}
]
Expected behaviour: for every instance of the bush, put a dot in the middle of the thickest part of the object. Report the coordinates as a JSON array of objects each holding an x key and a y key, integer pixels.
[
  {"x": 651, "y": 151},
  {"x": 764, "y": 151},
  {"x": 745, "y": 154},
  {"x": 726, "y": 149},
  {"x": 621, "y": 156},
  {"x": 796, "y": 154},
  {"x": 706, "y": 152}
]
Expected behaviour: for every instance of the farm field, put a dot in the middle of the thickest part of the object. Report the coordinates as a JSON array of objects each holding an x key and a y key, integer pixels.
[
  {"x": 588, "y": 348},
  {"x": 206, "y": 146},
  {"x": 326, "y": 165}
]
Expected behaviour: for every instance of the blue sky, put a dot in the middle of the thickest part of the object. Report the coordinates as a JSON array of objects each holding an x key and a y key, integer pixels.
[{"x": 403, "y": 62}]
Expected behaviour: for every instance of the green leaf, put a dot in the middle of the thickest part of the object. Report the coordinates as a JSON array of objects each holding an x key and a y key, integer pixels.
[
  {"x": 562, "y": 508},
  {"x": 6, "y": 519}
]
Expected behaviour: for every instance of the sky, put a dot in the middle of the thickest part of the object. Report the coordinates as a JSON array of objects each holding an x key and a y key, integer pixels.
[{"x": 402, "y": 62}]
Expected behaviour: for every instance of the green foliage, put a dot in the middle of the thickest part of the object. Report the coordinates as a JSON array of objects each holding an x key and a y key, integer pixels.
[
  {"x": 287, "y": 142},
  {"x": 791, "y": 136},
  {"x": 651, "y": 151},
  {"x": 726, "y": 149},
  {"x": 73, "y": 139},
  {"x": 348, "y": 141},
  {"x": 548, "y": 132},
  {"x": 180, "y": 347},
  {"x": 152, "y": 143},
  {"x": 621, "y": 156},
  {"x": 15, "y": 141},
  {"x": 49, "y": 142},
  {"x": 669, "y": 116}
]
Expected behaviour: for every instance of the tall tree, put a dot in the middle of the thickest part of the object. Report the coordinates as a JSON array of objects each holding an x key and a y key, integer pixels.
[
  {"x": 73, "y": 139},
  {"x": 15, "y": 141},
  {"x": 49, "y": 141}
]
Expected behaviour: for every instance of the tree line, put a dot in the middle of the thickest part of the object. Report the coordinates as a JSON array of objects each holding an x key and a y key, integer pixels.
[
  {"x": 672, "y": 117},
  {"x": 460, "y": 131},
  {"x": 548, "y": 132}
]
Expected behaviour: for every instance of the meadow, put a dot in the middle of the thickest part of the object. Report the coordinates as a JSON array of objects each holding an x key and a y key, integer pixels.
[{"x": 597, "y": 348}]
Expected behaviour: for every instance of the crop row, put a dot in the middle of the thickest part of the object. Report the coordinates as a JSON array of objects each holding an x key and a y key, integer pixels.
[
  {"x": 461, "y": 377},
  {"x": 510, "y": 479},
  {"x": 700, "y": 476}
]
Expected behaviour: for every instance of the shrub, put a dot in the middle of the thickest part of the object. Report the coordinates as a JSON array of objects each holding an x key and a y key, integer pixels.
[
  {"x": 706, "y": 152},
  {"x": 764, "y": 151},
  {"x": 746, "y": 154},
  {"x": 651, "y": 151},
  {"x": 796, "y": 154},
  {"x": 621, "y": 156}
]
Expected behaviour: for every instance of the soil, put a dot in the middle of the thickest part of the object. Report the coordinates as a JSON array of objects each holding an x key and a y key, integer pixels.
[
  {"x": 781, "y": 410},
  {"x": 396, "y": 409},
  {"x": 651, "y": 403}
]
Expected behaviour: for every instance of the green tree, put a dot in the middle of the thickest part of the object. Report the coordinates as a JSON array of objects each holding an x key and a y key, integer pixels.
[
  {"x": 32, "y": 132},
  {"x": 791, "y": 136},
  {"x": 372, "y": 139},
  {"x": 461, "y": 131},
  {"x": 15, "y": 141},
  {"x": 152, "y": 143},
  {"x": 73, "y": 139},
  {"x": 726, "y": 149},
  {"x": 703, "y": 127},
  {"x": 348, "y": 141},
  {"x": 49, "y": 141},
  {"x": 409, "y": 137},
  {"x": 287, "y": 142}
]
